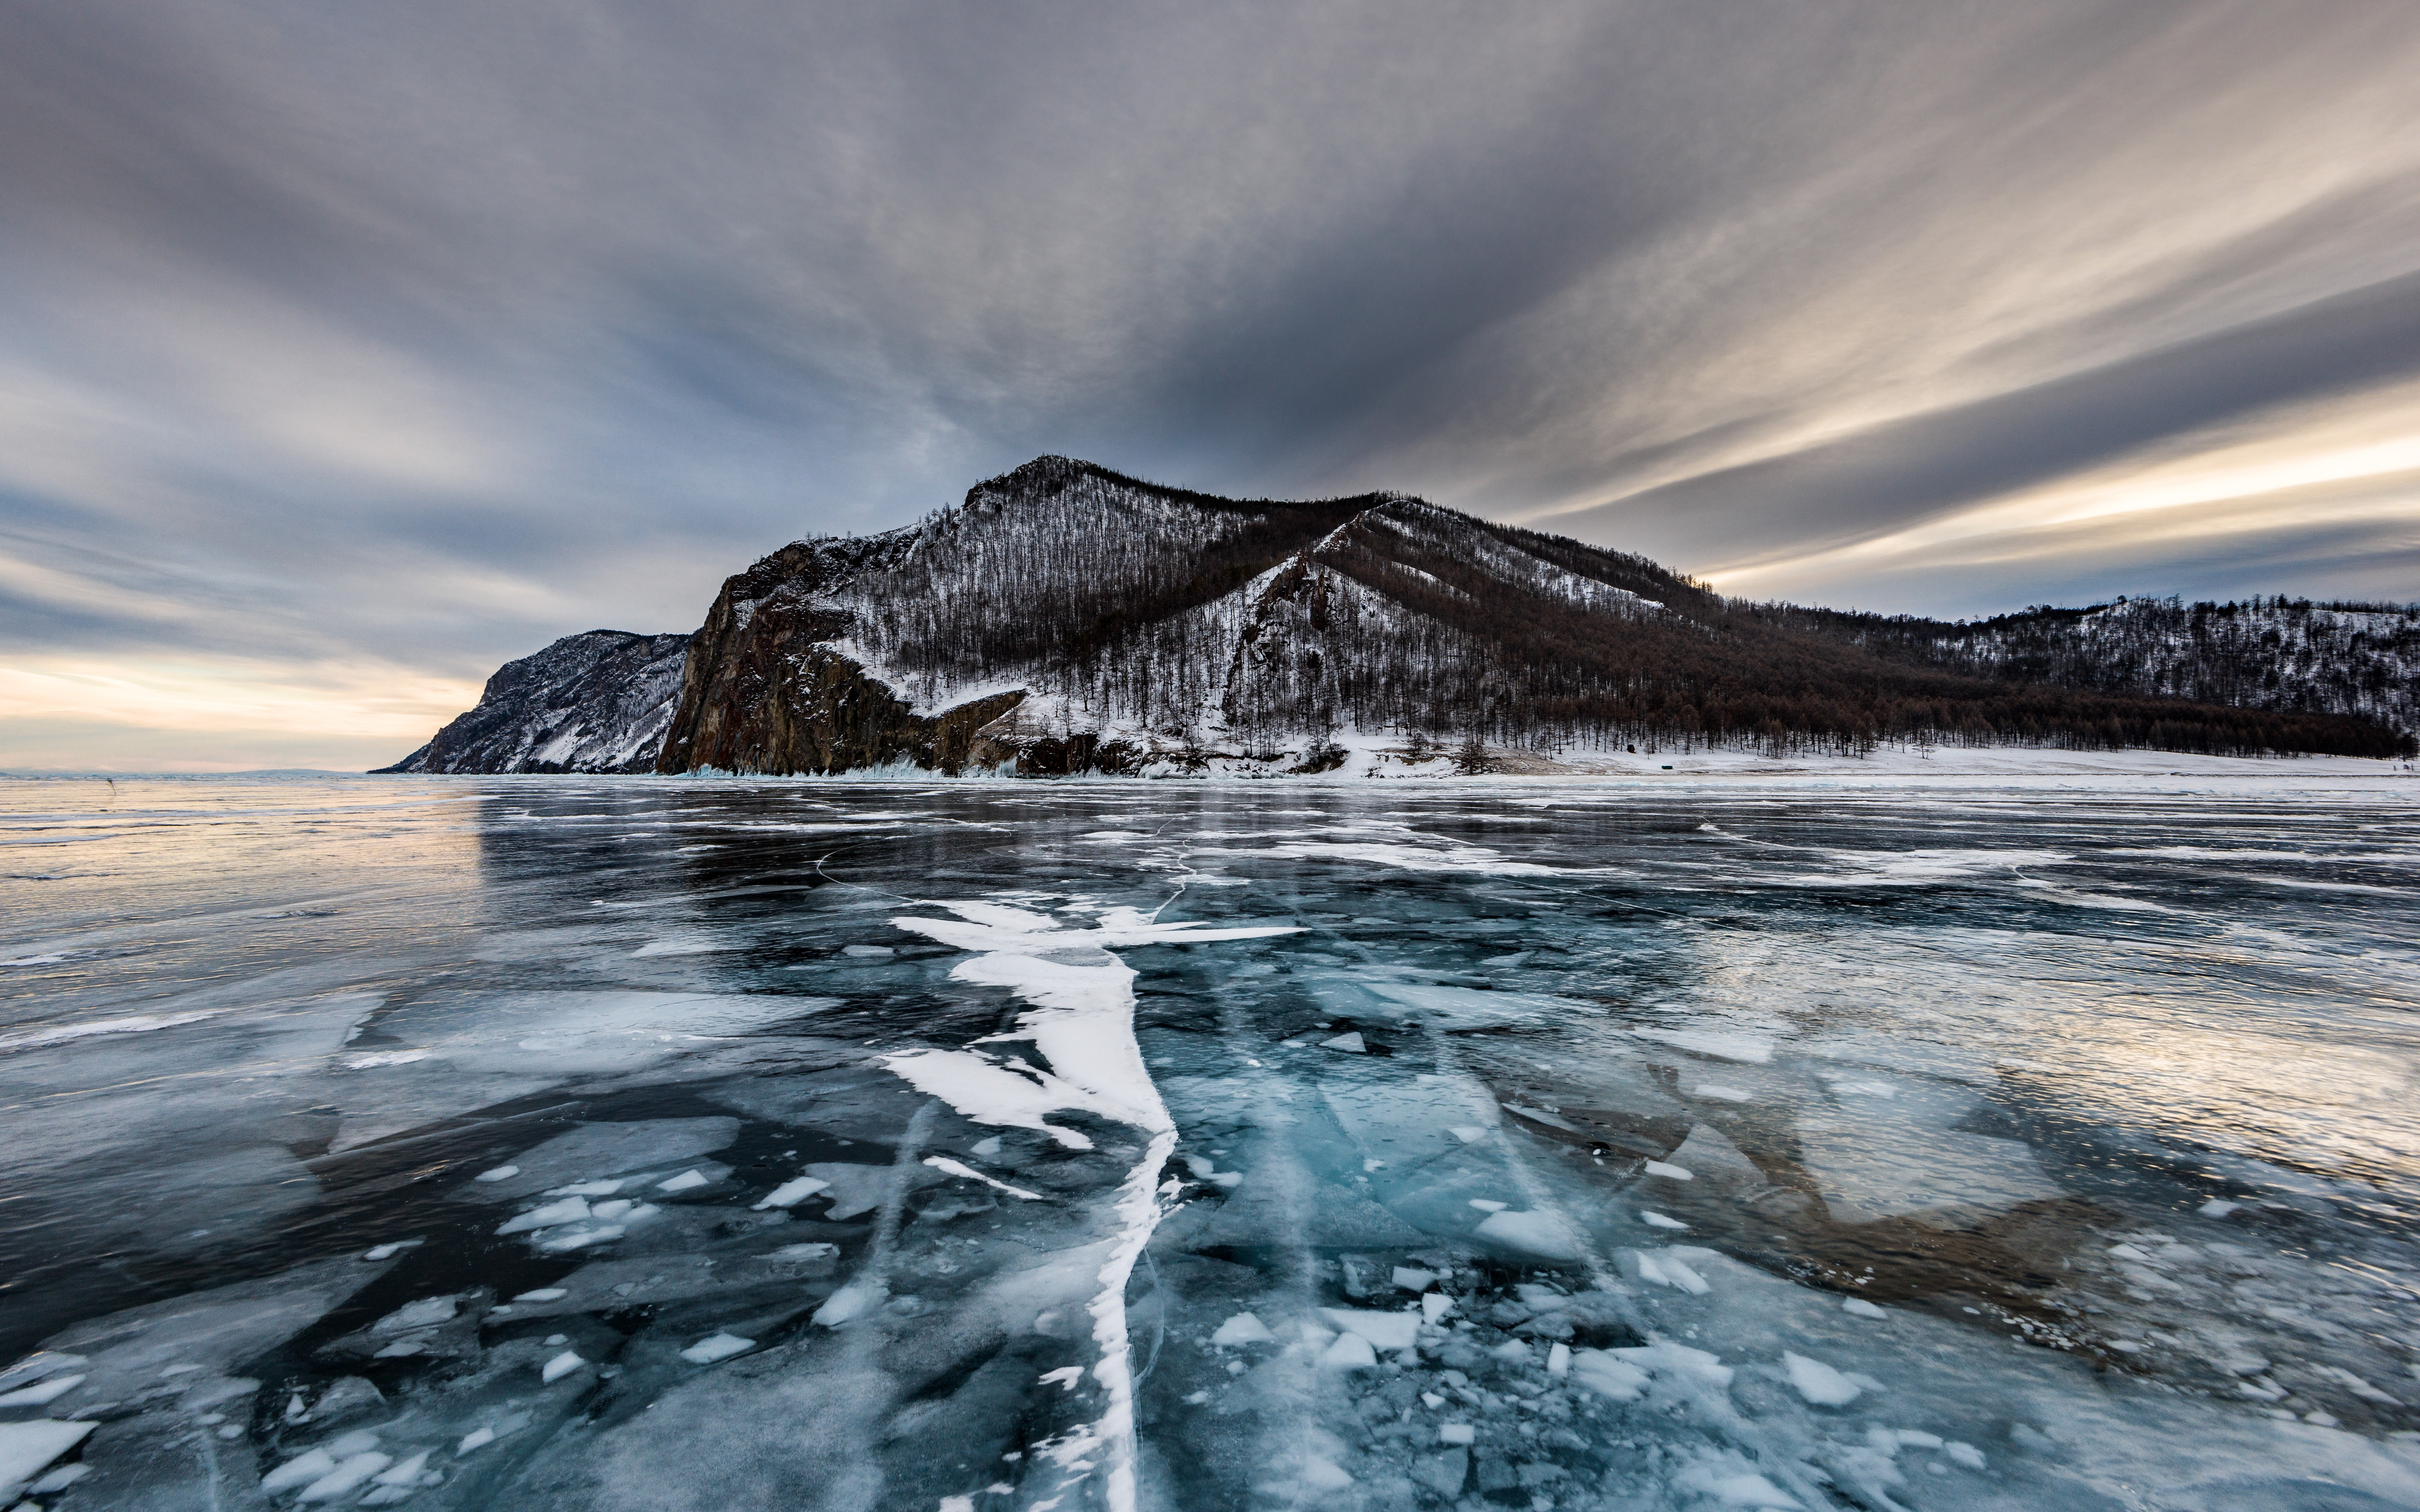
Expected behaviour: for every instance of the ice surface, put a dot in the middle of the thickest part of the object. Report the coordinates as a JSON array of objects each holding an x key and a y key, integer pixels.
[{"x": 1990, "y": 1204}]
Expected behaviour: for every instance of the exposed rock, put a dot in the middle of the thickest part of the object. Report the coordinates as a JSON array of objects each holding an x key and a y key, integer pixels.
[{"x": 593, "y": 702}]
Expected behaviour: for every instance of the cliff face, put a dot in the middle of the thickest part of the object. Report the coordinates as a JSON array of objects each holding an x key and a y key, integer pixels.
[{"x": 592, "y": 703}]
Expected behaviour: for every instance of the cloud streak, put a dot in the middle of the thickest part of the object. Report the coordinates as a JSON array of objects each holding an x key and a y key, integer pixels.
[{"x": 418, "y": 335}]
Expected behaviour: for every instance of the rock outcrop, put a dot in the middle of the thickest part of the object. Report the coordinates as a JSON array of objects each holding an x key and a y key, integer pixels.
[{"x": 592, "y": 703}]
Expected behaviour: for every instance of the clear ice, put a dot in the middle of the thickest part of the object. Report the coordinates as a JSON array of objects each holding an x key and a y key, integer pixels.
[{"x": 979, "y": 1147}]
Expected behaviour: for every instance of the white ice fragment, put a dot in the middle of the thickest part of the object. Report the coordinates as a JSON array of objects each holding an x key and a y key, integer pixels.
[
  {"x": 1460, "y": 1432},
  {"x": 579, "y": 1236},
  {"x": 1489, "y": 1204},
  {"x": 1432, "y": 1400},
  {"x": 1860, "y": 1307},
  {"x": 560, "y": 1366},
  {"x": 59, "y": 1480},
  {"x": 1747, "y": 1488},
  {"x": 1385, "y": 1331},
  {"x": 1916, "y": 1439},
  {"x": 587, "y": 1189},
  {"x": 25, "y": 1448},
  {"x": 717, "y": 1347},
  {"x": 502, "y": 1173},
  {"x": 41, "y": 1393},
  {"x": 1559, "y": 1360},
  {"x": 1468, "y": 1133},
  {"x": 1602, "y": 1373},
  {"x": 2217, "y": 1208},
  {"x": 613, "y": 1210},
  {"x": 1657, "y": 1220},
  {"x": 349, "y": 1444},
  {"x": 1066, "y": 1377},
  {"x": 426, "y": 1313},
  {"x": 475, "y": 1439},
  {"x": 301, "y": 1470},
  {"x": 1410, "y": 1279},
  {"x": 812, "y": 1250},
  {"x": 543, "y": 1294},
  {"x": 851, "y": 1301},
  {"x": 1723, "y": 1094},
  {"x": 404, "y": 1473},
  {"x": 868, "y": 952},
  {"x": 1819, "y": 1382},
  {"x": 791, "y": 1192},
  {"x": 1323, "y": 1475},
  {"x": 1676, "y": 1358},
  {"x": 568, "y": 1211},
  {"x": 1670, "y": 1171},
  {"x": 1538, "y": 1232},
  {"x": 1434, "y": 1305},
  {"x": 388, "y": 1252},
  {"x": 1966, "y": 1454},
  {"x": 987, "y": 1147},
  {"x": 1242, "y": 1328},
  {"x": 685, "y": 1181},
  {"x": 347, "y": 1475},
  {"x": 1351, "y": 1043}
]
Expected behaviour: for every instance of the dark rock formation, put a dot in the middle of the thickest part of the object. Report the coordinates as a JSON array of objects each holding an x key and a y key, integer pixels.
[{"x": 592, "y": 703}]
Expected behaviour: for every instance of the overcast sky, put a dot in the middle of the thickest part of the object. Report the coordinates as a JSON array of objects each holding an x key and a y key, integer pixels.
[{"x": 348, "y": 349}]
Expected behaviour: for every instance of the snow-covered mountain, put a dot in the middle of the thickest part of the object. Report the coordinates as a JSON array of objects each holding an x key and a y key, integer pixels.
[
  {"x": 597, "y": 701},
  {"x": 2267, "y": 654},
  {"x": 1068, "y": 618}
]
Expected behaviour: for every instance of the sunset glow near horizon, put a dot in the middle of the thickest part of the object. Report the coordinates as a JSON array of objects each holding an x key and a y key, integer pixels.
[{"x": 348, "y": 352}]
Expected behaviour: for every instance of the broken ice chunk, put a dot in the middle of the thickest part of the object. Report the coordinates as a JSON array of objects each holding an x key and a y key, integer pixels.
[
  {"x": 1559, "y": 1360},
  {"x": 543, "y": 1294},
  {"x": 502, "y": 1173},
  {"x": 570, "y": 1210},
  {"x": 1747, "y": 1488},
  {"x": 560, "y": 1366},
  {"x": 1385, "y": 1330},
  {"x": 1966, "y": 1454},
  {"x": 868, "y": 952},
  {"x": 404, "y": 1474},
  {"x": 1657, "y": 1220},
  {"x": 48, "y": 1390},
  {"x": 1819, "y": 1382},
  {"x": 1434, "y": 1305},
  {"x": 1323, "y": 1475},
  {"x": 36, "y": 1367},
  {"x": 586, "y": 1189},
  {"x": 717, "y": 1347},
  {"x": 301, "y": 1470},
  {"x": 1722, "y": 1094},
  {"x": 1461, "y": 1432},
  {"x": 426, "y": 1313},
  {"x": 1351, "y": 1043},
  {"x": 1489, "y": 1204},
  {"x": 686, "y": 1181},
  {"x": 475, "y": 1439},
  {"x": 813, "y": 1251},
  {"x": 1669, "y": 1172},
  {"x": 1350, "y": 1351},
  {"x": 1468, "y": 1133},
  {"x": 26, "y": 1447},
  {"x": 1860, "y": 1307},
  {"x": 2217, "y": 1208},
  {"x": 1242, "y": 1328},
  {"x": 1411, "y": 1280},
  {"x": 1540, "y": 1233},
  {"x": 1606, "y": 1376},
  {"x": 384, "y": 1252},
  {"x": 791, "y": 1192},
  {"x": 987, "y": 1147},
  {"x": 851, "y": 1301},
  {"x": 1666, "y": 1270},
  {"x": 347, "y": 1475}
]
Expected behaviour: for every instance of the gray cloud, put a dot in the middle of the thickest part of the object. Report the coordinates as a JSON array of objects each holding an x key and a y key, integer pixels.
[{"x": 428, "y": 331}]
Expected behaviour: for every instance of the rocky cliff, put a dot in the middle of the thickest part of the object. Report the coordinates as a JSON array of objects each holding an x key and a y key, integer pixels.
[{"x": 592, "y": 703}]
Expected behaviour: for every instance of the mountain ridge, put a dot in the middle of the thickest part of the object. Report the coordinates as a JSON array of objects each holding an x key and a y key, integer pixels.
[{"x": 1066, "y": 617}]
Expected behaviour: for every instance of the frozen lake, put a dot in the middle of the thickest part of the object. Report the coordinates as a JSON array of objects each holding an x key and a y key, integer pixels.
[{"x": 993, "y": 1147}]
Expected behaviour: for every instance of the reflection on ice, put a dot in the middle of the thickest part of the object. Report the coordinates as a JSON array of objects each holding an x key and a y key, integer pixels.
[{"x": 637, "y": 1144}]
